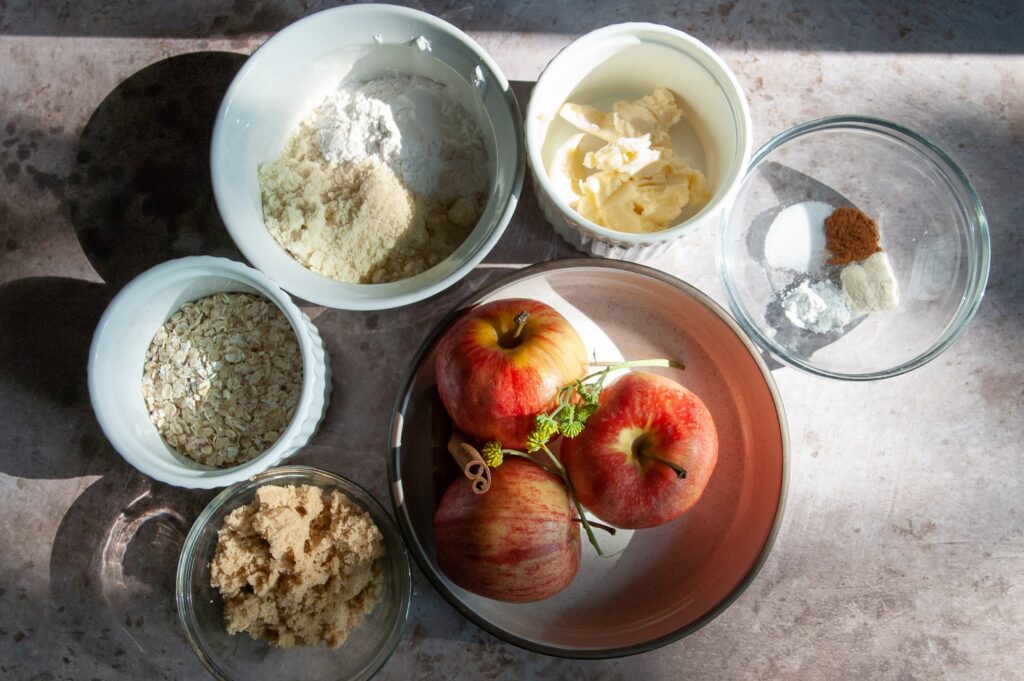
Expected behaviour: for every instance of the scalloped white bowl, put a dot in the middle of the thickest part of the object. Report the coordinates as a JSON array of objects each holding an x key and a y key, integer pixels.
[{"x": 117, "y": 357}]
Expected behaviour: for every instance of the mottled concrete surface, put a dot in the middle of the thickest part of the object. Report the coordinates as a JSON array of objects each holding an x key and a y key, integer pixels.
[{"x": 901, "y": 555}]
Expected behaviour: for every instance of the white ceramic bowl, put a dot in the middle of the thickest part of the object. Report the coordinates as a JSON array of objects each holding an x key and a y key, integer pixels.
[
  {"x": 290, "y": 75},
  {"x": 118, "y": 353},
  {"x": 626, "y": 61}
]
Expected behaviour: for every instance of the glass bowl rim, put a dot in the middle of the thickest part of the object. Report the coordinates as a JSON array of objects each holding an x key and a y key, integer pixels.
[
  {"x": 183, "y": 595},
  {"x": 397, "y": 491},
  {"x": 978, "y": 238}
]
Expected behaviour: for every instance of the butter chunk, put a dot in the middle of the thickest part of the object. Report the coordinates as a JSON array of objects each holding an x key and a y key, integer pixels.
[
  {"x": 588, "y": 119},
  {"x": 637, "y": 183},
  {"x": 567, "y": 171},
  {"x": 629, "y": 155},
  {"x": 653, "y": 114}
]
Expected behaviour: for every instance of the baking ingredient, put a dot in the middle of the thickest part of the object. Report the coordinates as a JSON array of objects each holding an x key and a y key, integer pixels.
[
  {"x": 502, "y": 363},
  {"x": 796, "y": 238},
  {"x": 870, "y": 286},
  {"x": 516, "y": 543},
  {"x": 298, "y": 565},
  {"x": 850, "y": 236},
  {"x": 411, "y": 125},
  {"x": 222, "y": 378},
  {"x": 647, "y": 453},
  {"x": 817, "y": 306},
  {"x": 638, "y": 183},
  {"x": 381, "y": 182}
]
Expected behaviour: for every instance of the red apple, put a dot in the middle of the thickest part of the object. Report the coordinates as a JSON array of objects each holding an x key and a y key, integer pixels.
[
  {"x": 625, "y": 465},
  {"x": 517, "y": 542},
  {"x": 495, "y": 375}
]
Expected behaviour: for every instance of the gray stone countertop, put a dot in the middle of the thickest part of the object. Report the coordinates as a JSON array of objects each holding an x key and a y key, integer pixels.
[{"x": 901, "y": 554}]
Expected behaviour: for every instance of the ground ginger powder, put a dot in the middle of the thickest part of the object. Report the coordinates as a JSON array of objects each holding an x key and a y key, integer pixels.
[{"x": 297, "y": 566}]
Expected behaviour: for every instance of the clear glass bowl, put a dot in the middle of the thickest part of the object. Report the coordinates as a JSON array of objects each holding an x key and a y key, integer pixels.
[
  {"x": 233, "y": 657},
  {"x": 932, "y": 227}
]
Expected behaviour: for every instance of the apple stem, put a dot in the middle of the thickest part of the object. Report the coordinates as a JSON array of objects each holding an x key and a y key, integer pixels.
[
  {"x": 680, "y": 471},
  {"x": 601, "y": 526},
  {"x": 572, "y": 495},
  {"x": 520, "y": 321},
  {"x": 614, "y": 366}
]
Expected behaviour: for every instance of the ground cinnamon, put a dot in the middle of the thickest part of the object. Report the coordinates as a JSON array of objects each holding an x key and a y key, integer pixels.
[{"x": 850, "y": 236}]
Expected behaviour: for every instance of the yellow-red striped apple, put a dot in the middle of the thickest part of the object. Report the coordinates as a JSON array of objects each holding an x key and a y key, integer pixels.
[
  {"x": 646, "y": 454},
  {"x": 502, "y": 363},
  {"x": 518, "y": 542}
]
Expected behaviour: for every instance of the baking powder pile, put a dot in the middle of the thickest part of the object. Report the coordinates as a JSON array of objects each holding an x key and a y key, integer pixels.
[{"x": 381, "y": 182}]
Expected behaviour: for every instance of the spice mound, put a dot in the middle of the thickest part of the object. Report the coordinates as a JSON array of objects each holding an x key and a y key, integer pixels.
[
  {"x": 297, "y": 566},
  {"x": 222, "y": 378},
  {"x": 850, "y": 236},
  {"x": 635, "y": 182},
  {"x": 384, "y": 180},
  {"x": 856, "y": 277}
]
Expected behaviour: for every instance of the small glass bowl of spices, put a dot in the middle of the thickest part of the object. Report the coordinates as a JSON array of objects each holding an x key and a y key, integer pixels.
[
  {"x": 855, "y": 249},
  {"x": 203, "y": 372}
]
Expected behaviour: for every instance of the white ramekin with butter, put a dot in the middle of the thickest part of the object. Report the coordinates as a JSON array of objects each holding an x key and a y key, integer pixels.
[{"x": 636, "y": 134}]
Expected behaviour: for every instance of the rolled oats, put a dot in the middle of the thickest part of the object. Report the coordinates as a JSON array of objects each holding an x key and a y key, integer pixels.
[{"x": 223, "y": 377}]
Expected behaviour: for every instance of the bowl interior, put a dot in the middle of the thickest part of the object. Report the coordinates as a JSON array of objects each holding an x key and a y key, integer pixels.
[
  {"x": 119, "y": 353},
  {"x": 241, "y": 657},
  {"x": 293, "y": 72},
  {"x": 931, "y": 228},
  {"x": 612, "y": 64},
  {"x": 665, "y": 581}
]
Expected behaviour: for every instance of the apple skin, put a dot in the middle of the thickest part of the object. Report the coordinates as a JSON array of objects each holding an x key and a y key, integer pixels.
[
  {"x": 515, "y": 543},
  {"x": 494, "y": 392},
  {"x": 660, "y": 417}
]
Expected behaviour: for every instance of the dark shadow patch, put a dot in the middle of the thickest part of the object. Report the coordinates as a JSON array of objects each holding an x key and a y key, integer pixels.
[
  {"x": 140, "y": 191},
  {"x": 47, "y": 427}
]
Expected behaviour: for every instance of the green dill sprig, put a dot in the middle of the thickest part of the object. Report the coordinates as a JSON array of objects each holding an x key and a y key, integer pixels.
[{"x": 576, "y": 403}]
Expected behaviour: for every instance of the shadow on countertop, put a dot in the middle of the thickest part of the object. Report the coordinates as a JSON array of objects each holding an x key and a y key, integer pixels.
[
  {"x": 47, "y": 428},
  {"x": 112, "y": 575},
  {"x": 947, "y": 26},
  {"x": 140, "y": 191}
]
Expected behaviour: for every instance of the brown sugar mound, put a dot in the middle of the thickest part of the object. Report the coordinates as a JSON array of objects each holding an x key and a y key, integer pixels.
[
  {"x": 850, "y": 236},
  {"x": 297, "y": 566}
]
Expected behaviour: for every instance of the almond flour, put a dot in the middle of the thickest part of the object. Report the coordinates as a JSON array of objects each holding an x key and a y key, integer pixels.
[{"x": 383, "y": 181}]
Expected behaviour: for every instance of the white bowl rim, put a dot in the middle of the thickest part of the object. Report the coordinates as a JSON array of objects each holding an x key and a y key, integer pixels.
[
  {"x": 211, "y": 477},
  {"x": 731, "y": 184},
  {"x": 375, "y": 302}
]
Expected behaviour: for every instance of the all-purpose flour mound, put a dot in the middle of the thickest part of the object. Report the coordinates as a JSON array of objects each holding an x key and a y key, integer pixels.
[
  {"x": 383, "y": 181},
  {"x": 410, "y": 124}
]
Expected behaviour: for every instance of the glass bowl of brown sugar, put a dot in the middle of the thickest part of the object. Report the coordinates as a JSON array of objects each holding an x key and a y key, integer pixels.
[{"x": 855, "y": 249}]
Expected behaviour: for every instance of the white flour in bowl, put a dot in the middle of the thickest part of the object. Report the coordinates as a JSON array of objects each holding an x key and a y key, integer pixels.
[{"x": 383, "y": 181}]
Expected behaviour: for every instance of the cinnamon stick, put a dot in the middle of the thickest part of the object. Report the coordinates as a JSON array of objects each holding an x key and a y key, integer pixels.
[{"x": 470, "y": 461}]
